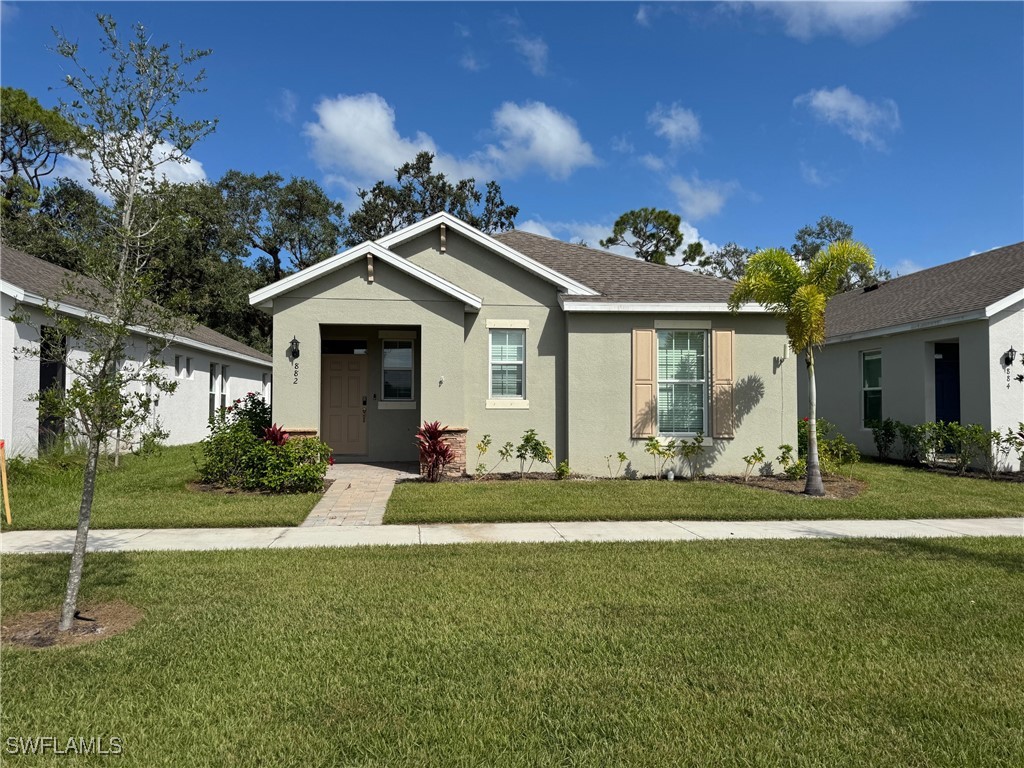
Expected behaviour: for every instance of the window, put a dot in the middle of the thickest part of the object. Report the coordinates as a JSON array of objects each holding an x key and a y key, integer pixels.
[
  {"x": 508, "y": 363},
  {"x": 177, "y": 366},
  {"x": 188, "y": 367},
  {"x": 223, "y": 386},
  {"x": 397, "y": 369},
  {"x": 871, "y": 384},
  {"x": 266, "y": 387},
  {"x": 682, "y": 382},
  {"x": 214, "y": 387}
]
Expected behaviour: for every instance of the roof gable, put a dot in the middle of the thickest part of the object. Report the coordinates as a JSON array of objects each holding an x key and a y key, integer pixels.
[
  {"x": 264, "y": 296},
  {"x": 975, "y": 287}
]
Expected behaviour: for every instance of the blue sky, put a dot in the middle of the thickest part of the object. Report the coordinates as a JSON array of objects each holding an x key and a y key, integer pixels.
[{"x": 905, "y": 120}]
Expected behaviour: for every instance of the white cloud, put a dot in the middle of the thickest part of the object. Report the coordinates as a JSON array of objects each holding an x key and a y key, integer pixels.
[
  {"x": 858, "y": 22},
  {"x": 698, "y": 199},
  {"x": 813, "y": 175},
  {"x": 185, "y": 171},
  {"x": 534, "y": 226},
  {"x": 534, "y": 51},
  {"x": 470, "y": 62},
  {"x": 643, "y": 16},
  {"x": 862, "y": 120},
  {"x": 8, "y": 12},
  {"x": 623, "y": 144},
  {"x": 678, "y": 125},
  {"x": 534, "y": 134},
  {"x": 905, "y": 267},
  {"x": 652, "y": 162},
  {"x": 462, "y": 30},
  {"x": 355, "y": 138},
  {"x": 286, "y": 106}
]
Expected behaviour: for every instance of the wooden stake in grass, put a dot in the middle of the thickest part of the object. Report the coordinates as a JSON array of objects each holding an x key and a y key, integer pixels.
[{"x": 3, "y": 480}]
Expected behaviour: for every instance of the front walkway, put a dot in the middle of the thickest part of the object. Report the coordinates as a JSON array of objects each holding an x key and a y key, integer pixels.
[
  {"x": 359, "y": 494},
  {"x": 25, "y": 542}
]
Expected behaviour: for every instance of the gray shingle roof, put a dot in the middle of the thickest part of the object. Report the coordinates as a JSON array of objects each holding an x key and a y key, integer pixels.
[
  {"x": 947, "y": 290},
  {"x": 618, "y": 278},
  {"x": 39, "y": 277}
]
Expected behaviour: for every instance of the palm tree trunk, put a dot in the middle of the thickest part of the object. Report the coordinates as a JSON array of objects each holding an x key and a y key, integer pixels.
[
  {"x": 814, "y": 486},
  {"x": 67, "y": 613}
]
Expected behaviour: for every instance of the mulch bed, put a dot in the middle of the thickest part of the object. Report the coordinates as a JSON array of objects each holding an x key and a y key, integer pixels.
[
  {"x": 97, "y": 622},
  {"x": 835, "y": 487},
  {"x": 228, "y": 491}
]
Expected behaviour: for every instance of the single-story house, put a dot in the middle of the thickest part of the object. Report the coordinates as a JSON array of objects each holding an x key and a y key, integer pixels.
[
  {"x": 942, "y": 344},
  {"x": 495, "y": 335},
  {"x": 211, "y": 369}
]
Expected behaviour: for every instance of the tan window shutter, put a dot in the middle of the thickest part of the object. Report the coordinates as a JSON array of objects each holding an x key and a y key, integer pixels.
[
  {"x": 722, "y": 376},
  {"x": 645, "y": 382}
]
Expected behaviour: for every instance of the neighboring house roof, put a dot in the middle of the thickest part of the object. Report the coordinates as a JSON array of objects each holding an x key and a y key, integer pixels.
[
  {"x": 620, "y": 279},
  {"x": 263, "y": 296},
  {"x": 973, "y": 288},
  {"x": 32, "y": 280}
]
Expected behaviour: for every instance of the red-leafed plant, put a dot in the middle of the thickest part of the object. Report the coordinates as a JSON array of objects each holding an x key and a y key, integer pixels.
[
  {"x": 435, "y": 452},
  {"x": 275, "y": 435}
]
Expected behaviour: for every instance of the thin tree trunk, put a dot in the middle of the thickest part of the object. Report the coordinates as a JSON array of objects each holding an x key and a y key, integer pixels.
[
  {"x": 67, "y": 613},
  {"x": 814, "y": 486}
]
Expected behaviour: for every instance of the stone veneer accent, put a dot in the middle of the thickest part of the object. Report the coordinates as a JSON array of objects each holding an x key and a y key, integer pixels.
[
  {"x": 456, "y": 438},
  {"x": 302, "y": 432}
]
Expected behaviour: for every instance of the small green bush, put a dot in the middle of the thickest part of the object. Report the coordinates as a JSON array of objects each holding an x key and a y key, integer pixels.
[
  {"x": 884, "y": 434},
  {"x": 235, "y": 455}
]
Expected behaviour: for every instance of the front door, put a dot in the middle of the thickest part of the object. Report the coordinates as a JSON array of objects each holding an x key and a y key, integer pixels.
[
  {"x": 343, "y": 403},
  {"x": 947, "y": 382}
]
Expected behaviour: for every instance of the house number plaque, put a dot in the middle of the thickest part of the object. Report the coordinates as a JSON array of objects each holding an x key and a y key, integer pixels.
[{"x": 295, "y": 372}]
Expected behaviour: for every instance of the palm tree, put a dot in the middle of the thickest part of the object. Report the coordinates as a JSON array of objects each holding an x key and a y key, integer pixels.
[{"x": 778, "y": 283}]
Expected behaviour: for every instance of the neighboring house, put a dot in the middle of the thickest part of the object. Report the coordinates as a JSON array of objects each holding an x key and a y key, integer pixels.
[
  {"x": 934, "y": 345},
  {"x": 211, "y": 369},
  {"x": 497, "y": 335}
]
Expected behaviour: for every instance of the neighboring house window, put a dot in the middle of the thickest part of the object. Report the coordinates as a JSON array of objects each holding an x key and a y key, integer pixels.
[
  {"x": 508, "y": 363},
  {"x": 188, "y": 367},
  {"x": 178, "y": 369},
  {"x": 397, "y": 369},
  {"x": 871, "y": 376},
  {"x": 266, "y": 387},
  {"x": 218, "y": 387},
  {"x": 223, "y": 386},
  {"x": 682, "y": 382}
]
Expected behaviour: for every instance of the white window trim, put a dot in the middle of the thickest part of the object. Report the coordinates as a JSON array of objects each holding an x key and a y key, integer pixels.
[
  {"x": 864, "y": 355},
  {"x": 523, "y": 401},
  {"x": 707, "y": 383},
  {"x": 508, "y": 324},
  {"x": 507, "y": 404},
  {"x": 408, "y": 401}
]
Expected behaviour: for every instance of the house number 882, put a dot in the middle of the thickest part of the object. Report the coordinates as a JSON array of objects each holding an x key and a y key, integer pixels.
[{"x": 295, "y": 372}]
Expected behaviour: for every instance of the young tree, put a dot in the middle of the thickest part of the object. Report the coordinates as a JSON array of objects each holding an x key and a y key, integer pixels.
[
  {"x": 33, "y": 139},
  {"x": 420, "y": 193},
  {"x": 775, "y": 280},
  {"x": 652, "y": 234},
  {"x": 297, "y": 218},
  {"x": 127, "y": 113}
]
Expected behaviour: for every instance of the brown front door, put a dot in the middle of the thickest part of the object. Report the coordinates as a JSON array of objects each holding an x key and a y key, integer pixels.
[{"x": 343, "y": 403}]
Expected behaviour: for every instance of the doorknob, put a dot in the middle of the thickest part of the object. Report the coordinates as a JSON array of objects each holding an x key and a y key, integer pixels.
[{"x": 364, "y": 401}]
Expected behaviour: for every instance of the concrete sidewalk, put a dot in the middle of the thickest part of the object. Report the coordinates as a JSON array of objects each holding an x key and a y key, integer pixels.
[{"x": 194, "y": 539}]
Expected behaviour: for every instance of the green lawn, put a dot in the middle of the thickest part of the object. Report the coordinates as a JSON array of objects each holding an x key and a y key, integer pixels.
[
  {"x": 823, "y": 653},
  {"x": 144, "y": 493},
  {"x": 892, "y": 492}
]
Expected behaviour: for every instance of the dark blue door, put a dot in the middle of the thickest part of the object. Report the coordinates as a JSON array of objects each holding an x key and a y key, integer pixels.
[{"x": 947, "y": 382}]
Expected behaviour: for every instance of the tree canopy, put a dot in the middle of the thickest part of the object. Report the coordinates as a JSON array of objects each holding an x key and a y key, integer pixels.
[
  {"x": 652, "y": 234},
  {"x": 420, "y": 192}
]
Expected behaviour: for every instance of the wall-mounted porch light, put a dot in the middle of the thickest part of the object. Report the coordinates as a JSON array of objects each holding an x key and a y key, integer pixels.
[
  {"x": 1009, "y": 356},
  {"x": 293, "y": 349}
]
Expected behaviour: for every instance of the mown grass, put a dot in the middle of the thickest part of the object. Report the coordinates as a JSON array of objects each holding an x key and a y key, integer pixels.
[
  {"x": 144, "y": 492},
  {"x": 837, "y": 653},
  {"x": 892, "y": 492}
]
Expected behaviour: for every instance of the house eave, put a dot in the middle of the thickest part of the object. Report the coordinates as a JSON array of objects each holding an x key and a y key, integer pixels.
[
  {"x": 919, "y": 325},
  {"x": 674, "y": 307}
]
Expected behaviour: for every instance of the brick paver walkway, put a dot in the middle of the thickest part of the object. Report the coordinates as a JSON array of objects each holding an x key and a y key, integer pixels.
[{"x": 358, "y": 495}]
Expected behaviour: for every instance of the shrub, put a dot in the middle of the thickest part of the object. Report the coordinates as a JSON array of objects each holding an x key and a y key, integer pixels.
[
  {"x": 690, "y": 452},
  {"x": 562, "y": 471},
  {"x": 275, "y": 435},
  {"x": 753, "y": 460},
  {"x": 796, "y": 469},
  {"x": 435, "y": 452},
  {"x": 235, "y": 455},
  {"x": 532, "y": 449},
  {"x": 885, "y": 437},
  {"x": 785, "y": 457},
  {"x": 834, "y": 450},
  {"x": 622, "y": 457},
  {"x": 912, "y": 438},
  {"x": 661, "y": 453}
]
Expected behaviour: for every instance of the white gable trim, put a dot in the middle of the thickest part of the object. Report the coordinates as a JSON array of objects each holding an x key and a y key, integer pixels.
[
  {"x": 567, "y": 284},
  {"x": 918, "y": 325},
  {"x": 1005, "y": 303},
  {"x": 263, "y": 296},
  {"x": 654, "y": 306}
]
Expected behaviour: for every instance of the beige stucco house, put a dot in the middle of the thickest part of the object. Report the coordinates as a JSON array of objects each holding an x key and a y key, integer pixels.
[
  {"x": 497, "y": 335},
  {"x": 942, "y": 344}
]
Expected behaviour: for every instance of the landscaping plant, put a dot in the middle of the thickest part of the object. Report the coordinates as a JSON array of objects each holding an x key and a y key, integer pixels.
[
  {"x": 622, "y": 457},
  {"x": 690, "y": 452},
  {"x": 884, "y": 434},
  {"x": 757, "y": 457},
  {"x": 435, "y": 452},
  {"x": 660, "y": 452},
  {"x": 531, "y": 448}
]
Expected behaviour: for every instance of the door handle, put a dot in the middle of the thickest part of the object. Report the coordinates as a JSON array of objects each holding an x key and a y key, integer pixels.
[{"x": 364, "y": 401}]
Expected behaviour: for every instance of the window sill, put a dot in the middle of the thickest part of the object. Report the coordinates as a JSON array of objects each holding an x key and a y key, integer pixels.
[
  {"x": 508, "y": 405},
  {"x": 396, "y": 405}
]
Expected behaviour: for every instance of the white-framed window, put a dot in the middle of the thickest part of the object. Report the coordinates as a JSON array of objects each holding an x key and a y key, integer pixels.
[
  {"x": 224, "y": 402},
  {"x": 682, "y": 382},
  {"x": 397, "y": 369},
  {"x": 508, "y": 364},
  {"x": 214, "y": 388},
  {"x": 182, "y": 367},
  {"x": 266, "y": 387},
  {"x": 177, "y": 366},
  {"x": 871, "y": 388}
]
